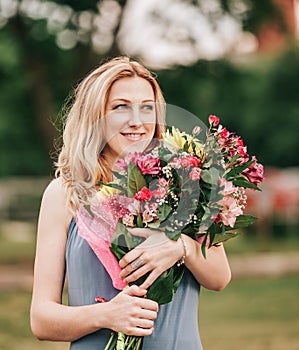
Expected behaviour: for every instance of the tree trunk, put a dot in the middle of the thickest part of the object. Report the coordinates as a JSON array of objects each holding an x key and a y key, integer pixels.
[{"x": 40, "y": 89}]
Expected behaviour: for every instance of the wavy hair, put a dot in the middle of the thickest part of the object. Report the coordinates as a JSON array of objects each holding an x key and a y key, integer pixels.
[{"x": 80, "y": 163}]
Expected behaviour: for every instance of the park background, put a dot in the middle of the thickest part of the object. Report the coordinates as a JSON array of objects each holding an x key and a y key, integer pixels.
[{"x": 238, "y": 59}]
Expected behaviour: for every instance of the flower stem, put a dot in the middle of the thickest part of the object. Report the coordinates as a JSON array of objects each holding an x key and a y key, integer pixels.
[{"x": 111, "y": 343}]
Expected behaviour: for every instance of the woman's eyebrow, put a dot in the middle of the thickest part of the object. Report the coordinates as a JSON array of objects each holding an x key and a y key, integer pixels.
[
  {"x": 120, "y": 99},
  {"x": 129, "y": 101}
]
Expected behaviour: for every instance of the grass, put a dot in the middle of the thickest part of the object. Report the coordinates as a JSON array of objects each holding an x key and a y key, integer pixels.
[
  {"x": 14, "y": 324},
  {"x": 255, "y": 314},
  {"x": 17, "y": 242}
]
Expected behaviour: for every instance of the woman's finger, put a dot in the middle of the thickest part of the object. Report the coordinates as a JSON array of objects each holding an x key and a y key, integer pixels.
[
  {"x": 140, "y": 232},
  {"x": 132, "y": 276},
  {"x": 150, "y": 279},
  {"x": 135, "y": 291},
  {"x": 130, "y": 257}
]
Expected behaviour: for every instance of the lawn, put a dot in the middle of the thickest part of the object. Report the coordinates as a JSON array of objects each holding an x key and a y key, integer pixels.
[{"x": 255, "y": 314}]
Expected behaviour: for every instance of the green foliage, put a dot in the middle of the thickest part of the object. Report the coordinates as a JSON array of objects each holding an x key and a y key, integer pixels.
[
  {"x": 20, "y": 142},
  {"x": 135, "y": 180},
  {"x": 258, "y": 101}
]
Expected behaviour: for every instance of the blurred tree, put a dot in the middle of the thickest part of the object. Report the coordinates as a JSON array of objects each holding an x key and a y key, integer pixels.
[
  {"x": 54, "y": 44},
  {"x": 257, "y": 101}
]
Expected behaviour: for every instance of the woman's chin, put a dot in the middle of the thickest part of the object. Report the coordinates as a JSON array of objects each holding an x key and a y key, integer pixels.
[{"x": 140, "y": 146}]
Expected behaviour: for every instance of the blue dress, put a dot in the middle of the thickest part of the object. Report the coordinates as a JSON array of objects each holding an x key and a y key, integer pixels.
[{"x": 176, "y": 327}]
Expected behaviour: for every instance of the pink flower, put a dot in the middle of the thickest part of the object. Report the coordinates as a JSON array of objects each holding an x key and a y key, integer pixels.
[
  {"x": 133, "y": 157},
  {"x": 223, "y": 135},
  {"x": 195, "y": 174},
  {"x": 161, "y": 189},
  {"x": 186, "y": 161},
  {"x": 150, "y": 213},
  {"x": 194, "y": 161},
  {"x": 255, "y": 172},
  {"x": 159, "y": 193},
  {"x": 196, "y": 130},
  {"x": 149, "y": 165},
  {"x": 229, "y": 211},
  {"x": 148, "y": 216},
  {"x": 163, "y": 182},
  {"x": 122, "y": 164},
  {"x": 134, "y": 206},
  {"x": 213, "y": 120},
  {"x": 229, "y": 188},
  {"x": 128, "y": 220},
  {"x": 242, "y": 150},
  {"x": 143, "y": 195}
]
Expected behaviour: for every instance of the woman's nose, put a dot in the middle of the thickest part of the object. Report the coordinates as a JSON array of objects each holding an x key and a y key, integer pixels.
[{"x": 135, "y": 117}]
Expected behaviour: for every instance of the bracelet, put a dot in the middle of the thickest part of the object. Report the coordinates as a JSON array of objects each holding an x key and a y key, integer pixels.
[{"x": 182, "y": 260}]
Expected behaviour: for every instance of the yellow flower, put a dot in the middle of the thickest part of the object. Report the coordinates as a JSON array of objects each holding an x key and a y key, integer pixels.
[
  {"x": 106, "y": 191},
  {"x": 177, "y": 139}
]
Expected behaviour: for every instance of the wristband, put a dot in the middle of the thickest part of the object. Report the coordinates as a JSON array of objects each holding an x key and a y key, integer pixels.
[{"x": 182, "y": 260}]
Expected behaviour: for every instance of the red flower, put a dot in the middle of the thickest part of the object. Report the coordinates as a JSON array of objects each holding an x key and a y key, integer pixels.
[
  {"x": 213, "y": 120},
  {"x": 100, "y": 299},
  {"x": 187, "y": 161},
  {"x": 223, "y": 135},
  {"x": 149, "y": 165},
  {"x": 255, "y": 173},
  {"x": 143, "y": 195}
]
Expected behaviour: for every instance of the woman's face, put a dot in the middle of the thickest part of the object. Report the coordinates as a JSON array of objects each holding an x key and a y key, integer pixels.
[{"x": 130, "y": 118}]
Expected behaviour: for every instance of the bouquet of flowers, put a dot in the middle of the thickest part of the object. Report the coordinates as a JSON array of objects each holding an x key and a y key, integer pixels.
[{"x": 189, "y": 183}]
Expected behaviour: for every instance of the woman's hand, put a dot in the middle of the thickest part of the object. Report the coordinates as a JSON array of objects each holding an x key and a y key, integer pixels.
[
  {"x": 158, "y": 253},
  {"x": 132, "y": 314},
  {"x": 155, "y": 255}
]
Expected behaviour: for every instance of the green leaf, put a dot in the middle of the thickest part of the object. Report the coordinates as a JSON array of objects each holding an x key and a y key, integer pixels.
[
  {"x": 174, "y": 235},
  {"x": 155, "y": 224},
  {"x": 118, "y": 175},
  {"x": 135, "y": 180},
  {"x": 242, "y": 182},
  {"x": 210, "y": 176},
  {"x": 219, "y": 238},
  {"x": 206, "y": 176},
  {"x": 139, "y": 221},
  {"x": 123, "y": 241},
  {"x": 238, "y": 170},
  {"x": 243, "y": 221},
  {"x": 203, "y": 245},
  {"x": 164, "y": 287},
  {"x": 164, "y": 211}
]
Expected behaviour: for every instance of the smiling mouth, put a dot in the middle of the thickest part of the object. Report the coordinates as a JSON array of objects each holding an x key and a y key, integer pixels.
[{"x": 133, "y": 135}]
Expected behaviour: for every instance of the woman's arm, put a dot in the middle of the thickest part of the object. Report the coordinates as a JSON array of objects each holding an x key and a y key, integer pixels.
[
  {"x": 50, "y": 320},
  {"x": 213, "y": 272},
  {"x": 158, "y": 253}
]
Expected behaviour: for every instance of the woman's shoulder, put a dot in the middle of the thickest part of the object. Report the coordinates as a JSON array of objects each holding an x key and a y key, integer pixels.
[
  {"x": 55, "y": 191},
  {"x": 55, "y": 200}
]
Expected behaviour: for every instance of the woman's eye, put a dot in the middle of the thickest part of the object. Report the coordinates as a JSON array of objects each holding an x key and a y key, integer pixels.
[
  {"x": 147, "y": 107},
  {"x": 121, "y": 106}
]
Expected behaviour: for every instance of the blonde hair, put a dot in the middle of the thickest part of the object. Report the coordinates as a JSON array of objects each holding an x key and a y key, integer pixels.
[{"x": 80, "y": 163}]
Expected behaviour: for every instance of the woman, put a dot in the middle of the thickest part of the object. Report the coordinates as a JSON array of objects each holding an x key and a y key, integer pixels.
[{"x": 117, "y": 108}]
